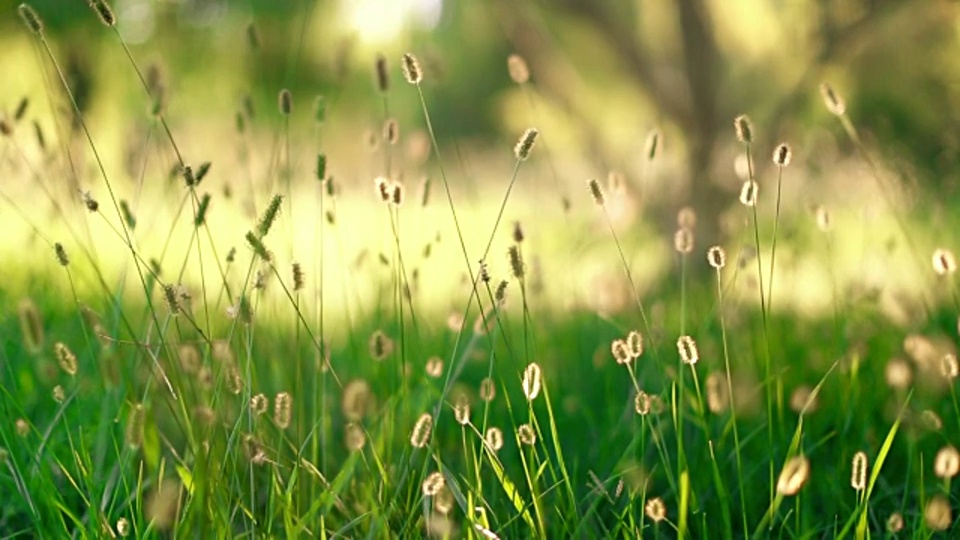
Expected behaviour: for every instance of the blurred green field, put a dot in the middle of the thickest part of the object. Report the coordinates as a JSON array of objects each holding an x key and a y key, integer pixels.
[{"x": 302, "y": 269}]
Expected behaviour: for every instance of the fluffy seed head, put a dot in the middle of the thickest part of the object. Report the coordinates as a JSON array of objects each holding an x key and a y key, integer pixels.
[
  {"x": 516, "y": 261},
  {"x": 748, "y": 193},
  {"x": 717, "y": 257},
  {"x": 135, "y": 420},
  {"x": 525, "y": 144},
  {"x": 655, "y": 510},
  {"x": 269, "y": 215},
  {"x": 432, "y": 484},
  {"x": 285, "y": 101},
  {"x": 104, "y": 11},
  {"x": 443, "y": 501},
  {"x": 744, "y": 129},
  {"x": 782, "y": 155},
  {"x": 172, "y": 298},
  {"x": 949, "y": 367},
  {"x": 488, "y": 389},
  {"x": 620, "y": 351},
  {"x": 383, "y": 73},
  {"x": 89, "y": 201},
  {"x": 532, "y": 381},
  {"x": 382, "y": 186},
  {"x": 411, "y": 69},
  {"x": 895, "y": 522},
  {"x": 66, "y": 358},
  {"x": 687, "y": 348},
  {"x": 718, "y": 396},
  {"x": 354, "y": 437},
  {"x": 396, "y": 194},
  {"x": 61, "y": 253},
  {"x": 421, "y": 431},
  {"x": 938, "y": 514},
  {"x": 832, "y": 100},
  {"x": 59, "y": 395},
  {"x": 461, "y": 409},
  {"x": 898, "y": 374},
  {"x": 356, "y": 400},
  {"x": 947, "y": 463},
  {"x": 494, "y": 439},
  {"x": 944, "y": 262},
  {"x": 517, "y": 67},
  {"x": 641, "y": 403},
  {"x": 596, "y": 191},
  {"x": 282, "y": 409},
  {"x": 683, "y": 240},
  {"x": 259, "y": 404},
  {"x": 635, "y": 343},
  {"x": 31, "y": 19},
  {"x": 517, "y": 232},
  {"x": 687, "y": 218},
  {"x": 858, "y": 474},
  {"x": 123, "y": 527},
  {"x": 298, "y": 278},
  {"x": 381, "y": 346},
  {"x": 391, "y": 131},
  {"x": 434, "y": 367},
  {"x": 527, "y": 435},
  {"x": 793, "y": 476}
]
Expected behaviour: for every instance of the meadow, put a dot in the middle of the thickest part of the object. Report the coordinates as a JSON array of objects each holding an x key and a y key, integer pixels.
[{"x": 288, "y": 323}]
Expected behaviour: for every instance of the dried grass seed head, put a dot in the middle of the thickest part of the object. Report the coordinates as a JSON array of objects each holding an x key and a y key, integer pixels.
[
  {"x": 744, "y": 129},
  {"x": 944, "y": 262},
  {"x": 434, "y": 367},
  {"x": 518, "y": 69},
  {"x": 834, "y": 102},
  {"x": 717, "y": 257},
  {"x": 411, "y": 69},
  {"x": 596, "y": 191},
  {"x": 31, "y": 19},
  {"x": 420, "y": 435},
  {"x": 794, "y": 475},
  {"x": 61, "y": 253},
  {"x": 516, "y": 261},
  {"x": 683, "y": 240},
  {"x": 285, "y": 102},
  {"x": 687, "y": 348},
  {"x": 383, "y": 73},
  {"x": 66, "y": 358},
  {"x": 858, "y": 474},
  {"x": 525, "y": 144},
  {"x": 259, "y": 404},
  {"x": 946, "y": 464},
  {"x": 620, "y": 351},
  {"x": 532, "y": 376},
  {"x": 494, "y": 438},
  {"x": 391, "y": 131},
  {"x": 461, "y": 408},
  {"x": 655, "y": 509},
  {"x": 937, "y": 514},
  {"x": 748, "y": 193},
  {"x": 488, "y": 389},
  {"x": 642, "y": 403},
  {"x": 432, "y": 484},
  {"x": 782, "y": 155},
  {"x": 381, "y": 346},
  {"x": 949, "y": 367},
  {"x": 527, "y": 434},
  {"x": 635, "y": 343},
  {"x": 104, "y": 12}
]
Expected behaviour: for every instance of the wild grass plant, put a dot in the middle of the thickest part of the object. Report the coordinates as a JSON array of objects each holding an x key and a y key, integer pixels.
[{"x": 171, "y": 372}]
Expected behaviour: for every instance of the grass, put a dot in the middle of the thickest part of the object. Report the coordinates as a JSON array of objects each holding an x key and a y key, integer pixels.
[{"x": 175, "y": 365}]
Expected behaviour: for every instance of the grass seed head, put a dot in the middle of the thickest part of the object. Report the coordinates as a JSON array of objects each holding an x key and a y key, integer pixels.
[
  {"x": 421, "y": 431},
  {"x": 488, "y": 389},
  {"x": 285, "y": 102},
  {"x": 641, "y": 403},
  {"x": 527, "y": 434},
  {"x": 31, "y": 19},
  {"x": 461, "y": 409},
  {"x": 282, "y": 410},
  {"x": 172, "y": 298},
  {"x": 794, "y": 475},
  {"x": 443, "y": 501},
  {"x": 58, "y": 394},
  {"x": 31, "y": 325},
  {"x": 532, "y": 381},
  {"x": 832, "y": 100},
  {"x": 517, "y": 232},
  {"x": 525, "y": 144},
  {"x": 938, "y": 515},
  {"x": 269, "y": 215},
  {"x": 822, "y": 216},
  {"x": 104, "y": 12},
  {"x": 858, "y": 474},
  {"x": 434, "y": 367},
  {"x": 61, "y": 253},
  {"x": 652, "y": 146},
  {"x": 944, "y": 262},
  {"x": 687, "y": 218},
  {"x": 123, "y": 527},
  {"x": 89, "y": 201},
  {"x": 356, "y": 400},
  {"x": 596, "y": 191},
  {"x": 259, "y": 404},
  {"x": 391, "y": 131},
  {"x": 66, "y": 358},
  {"x": 718, "y": 396},
  {"x": 947, "y": 463},
  {"x": 748, "y": 193},
  {"x": 135, "y": 421},
  {"x": 782, "y": 155},
  {"x": 744, "y": 129},
  {"x": 411, "y": 69},
  {"x": 381, "y": 346},
  {"x": 518, "y": 69},
  {"x": 494, "y": 438},
  {"x": 717, "y": 257},
  {"x": 949, "y": 367},
  {"x": 635, "y": 343},
  {"x": 298, "y": 277},
  {"x": 432, "y": 484},
  {"x": 21, "y": 109},
  {"x": 895, "y": 523},
  {"x": 620, "y": 351},
  {"x": 397, "y": 193},
  {"x": 500, "y": 294},
  {"x": 354, "y": 438},
  {"x": 655, "y": 509},
  {"x": 516, "y": 261},
  {"x": 22, "y": 427},
  {"x": 687, "y": 348},
  {"x": 683, "y": 240},
  {"x": 383, "y": 73},
  {"x": 898, "y": 374}
]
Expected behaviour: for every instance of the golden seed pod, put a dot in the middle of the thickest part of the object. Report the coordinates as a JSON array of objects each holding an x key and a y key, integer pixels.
[
  {"x": 232, "y": 379},
  {"x": 525, "y": 144},
  {"x": 832, "y": 100},
  {"x": 620, "y": 351},
  {"x": 421, "y": 431},
  {"x": 461, "y": 409},
  {"x": 687, "y": 348},
  {"x": 938, "y": 514},
  {"x": 532, "y": 381},
  {"x": 947, "y": 463},
  {"x": 642, "y": 403},
  {"x": 748, "y": 193},
  {"x": 895, "y": 522},
  {"x": 494, "y": 439},
  {"x": 858, "y": 474},
  {"x": 282, "y": 410},
  {"x": 635, "y": 343},
  {"x": 434, "y": 367},
  {"x": 782, "y": 155},
  {"x": 794, "y": 475},
  {"x": 596, "y": 191},
  {"x": 259, "y": 404},
  {"x": 655, "y": 509},
  {"x": 411, "y": 69},
  {"x": 433, "y": 483},
  {"x": 517, "y": 67},
  {"x": 744, "y": 129},
  {"x": 354, "y": 437},
  {"x": 683, "y": 240},
  {"x": 488, "y": 389},
  {"x": 717, "y": 257},
  {"x": 944, "y": 262},
  {"x": 66, "y": 358},
  {"x": 123, "y": 527},
  {"x": 527, "y": 435}
]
